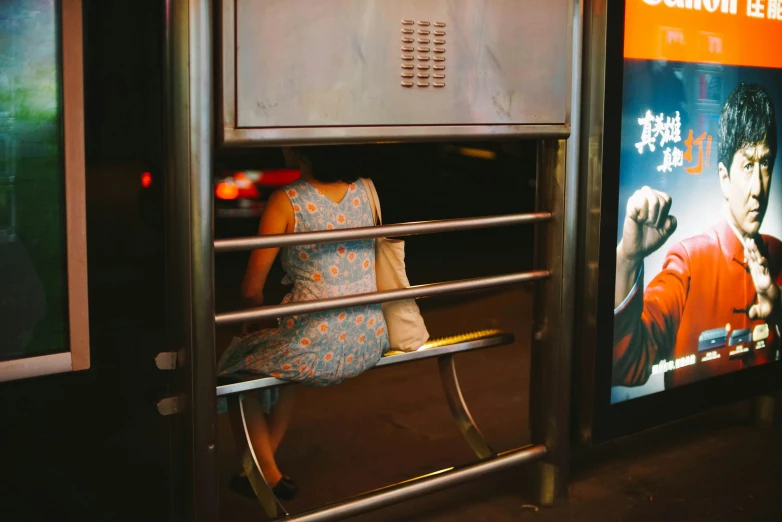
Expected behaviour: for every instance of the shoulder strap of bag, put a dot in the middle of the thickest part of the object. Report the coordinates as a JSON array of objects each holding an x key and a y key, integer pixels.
[{"x": 373, "y": 199}]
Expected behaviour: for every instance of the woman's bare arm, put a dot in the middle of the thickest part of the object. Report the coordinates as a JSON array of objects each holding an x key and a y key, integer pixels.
[{"x": 277, "y": 218}]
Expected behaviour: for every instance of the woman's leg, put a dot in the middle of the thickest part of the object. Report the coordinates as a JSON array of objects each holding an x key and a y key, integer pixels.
[
  {"x": 280, "y": 416},
  {"x": 260, "y": 435}
]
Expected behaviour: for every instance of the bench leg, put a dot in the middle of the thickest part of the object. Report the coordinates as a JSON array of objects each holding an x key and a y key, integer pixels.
[
  {"x": 459, "y": 410},
  {"x": 269, "y": 502}
]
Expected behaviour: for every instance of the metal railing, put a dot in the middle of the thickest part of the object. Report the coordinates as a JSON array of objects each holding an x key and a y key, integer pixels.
[
  {"x": 334, "y": 303},
  {"x": 399, "y": 230}
]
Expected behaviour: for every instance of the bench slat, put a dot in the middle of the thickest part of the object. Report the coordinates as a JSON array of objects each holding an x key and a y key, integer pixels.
[{"x": 434, "y": 348}]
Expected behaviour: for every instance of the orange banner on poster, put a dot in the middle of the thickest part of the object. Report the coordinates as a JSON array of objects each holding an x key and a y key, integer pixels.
[{"x": 728, "y": 32}]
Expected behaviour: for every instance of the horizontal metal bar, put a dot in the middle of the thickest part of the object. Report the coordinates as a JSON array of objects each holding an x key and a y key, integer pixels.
[
  {"x": 335, "y": 303},
  {"x": 258, "y": 383},
  {"x": 420, "y": 486},
  {"x": 18, "y": 369},
  {"x": 402, "y": 229},
  {"x": 287, "y": 136}
]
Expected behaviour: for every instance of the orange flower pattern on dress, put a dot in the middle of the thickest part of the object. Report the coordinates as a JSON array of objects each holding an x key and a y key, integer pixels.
[{"x": 326, "y": 347}]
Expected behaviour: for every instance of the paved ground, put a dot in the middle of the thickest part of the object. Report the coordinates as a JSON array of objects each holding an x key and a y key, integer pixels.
[{"x": 393, "y": 424}]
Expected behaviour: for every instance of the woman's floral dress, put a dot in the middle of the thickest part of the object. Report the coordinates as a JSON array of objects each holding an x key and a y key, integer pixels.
[{"x": 324, "y": 347}]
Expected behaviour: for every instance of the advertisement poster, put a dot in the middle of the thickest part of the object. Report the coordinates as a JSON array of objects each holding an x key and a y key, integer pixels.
[{"x": 698, "y": 257}]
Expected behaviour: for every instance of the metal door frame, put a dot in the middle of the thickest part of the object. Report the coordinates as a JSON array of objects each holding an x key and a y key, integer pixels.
[{"x": 190, "y": 136}]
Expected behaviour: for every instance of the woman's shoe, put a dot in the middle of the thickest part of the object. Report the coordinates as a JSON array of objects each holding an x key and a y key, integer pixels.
[
  {"x": 240, "y": 485},
  {"x": 285, "y": 489}
]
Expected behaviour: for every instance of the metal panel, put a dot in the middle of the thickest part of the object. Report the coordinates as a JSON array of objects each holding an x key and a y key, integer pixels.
[{"x": 301, "y": 63}]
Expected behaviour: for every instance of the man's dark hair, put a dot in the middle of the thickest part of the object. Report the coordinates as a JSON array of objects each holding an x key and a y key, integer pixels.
[{"x": 747, "y": 118}]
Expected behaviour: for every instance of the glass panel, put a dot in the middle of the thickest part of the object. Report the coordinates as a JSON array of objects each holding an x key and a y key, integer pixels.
[{"x": 33, "y": 277}]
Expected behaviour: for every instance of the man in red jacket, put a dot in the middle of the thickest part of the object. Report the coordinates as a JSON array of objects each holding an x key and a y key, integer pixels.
[{"x": 715, "y": 306}]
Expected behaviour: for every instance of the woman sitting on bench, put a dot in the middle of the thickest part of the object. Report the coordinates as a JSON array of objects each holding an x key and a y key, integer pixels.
[{"x": 316, "y": 349}]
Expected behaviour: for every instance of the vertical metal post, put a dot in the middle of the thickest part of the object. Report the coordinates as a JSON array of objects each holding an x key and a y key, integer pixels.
[
  {"x": 190, "y": 306},
  {"x": 590, "y": 196},
  {"x": 558, "y": 167}
]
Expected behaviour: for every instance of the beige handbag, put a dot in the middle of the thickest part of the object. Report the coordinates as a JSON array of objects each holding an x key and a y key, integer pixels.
[{"x": 406, "y": 329}]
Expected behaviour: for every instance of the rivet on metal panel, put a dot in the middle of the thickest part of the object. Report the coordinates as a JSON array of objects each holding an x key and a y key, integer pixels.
[
  {"x": 439, "y": 67},
  {"x": 407, "y": 22},
  {"x": 407, "y": 31},
  {"x": 439, "y": 42},
  {"x": 407, "y": 57},
  {"x": 407, "y": 84},
  {"x": 439, "y": 33},
  {"x": 423, "y": 75},
  {"x": 423, "y": 58},
  {"x": 407, "y": 75},
  {"x": 424, "y": 40},
  {"x": 439, "y": 84},
  {"x": 408, "y": 49},
  {"x": 439, "y": 58},
  {"x": 423, "y": 49},
  {"x": 423, "y": 32},
  {"x": 439, "y": 24},
  {"x": 407, "y": 66},
  {"x": 407, "y": 39},
  {"x": 423, "y": 24},
  {"x": 423, "y": 84},
  {"x": 439, "y": 76},
  {"x": 439, "y": 50},
  {"x": 423, "y": 66}
]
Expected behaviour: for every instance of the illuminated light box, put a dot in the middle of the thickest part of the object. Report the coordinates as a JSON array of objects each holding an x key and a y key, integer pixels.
[{"x": 691, "y": 227}]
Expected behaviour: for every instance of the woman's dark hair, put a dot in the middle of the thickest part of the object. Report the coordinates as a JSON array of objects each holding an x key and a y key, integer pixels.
[
  {"x": 331, "y": 163},
  {"x": 747, "y": 118}
]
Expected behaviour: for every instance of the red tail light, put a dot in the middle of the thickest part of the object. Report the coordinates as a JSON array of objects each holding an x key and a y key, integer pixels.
[
  {"x": 227, "y": 190},
  {"x": 146, "y": 180}
]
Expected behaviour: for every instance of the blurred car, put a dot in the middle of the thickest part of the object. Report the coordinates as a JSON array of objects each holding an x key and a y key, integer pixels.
[{"x": 243, "y": 194}]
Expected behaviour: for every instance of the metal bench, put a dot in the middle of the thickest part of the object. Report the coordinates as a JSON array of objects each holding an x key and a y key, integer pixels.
[{"x": 443, "y": 349}]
